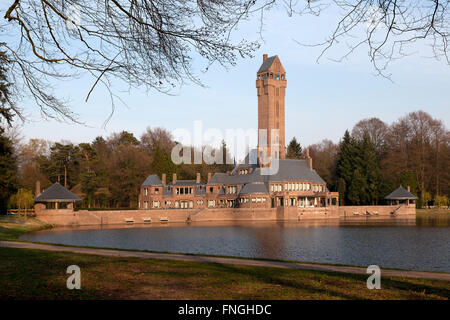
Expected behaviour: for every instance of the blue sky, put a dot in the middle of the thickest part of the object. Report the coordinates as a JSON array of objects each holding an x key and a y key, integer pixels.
[{"x": 322, "y": 100}]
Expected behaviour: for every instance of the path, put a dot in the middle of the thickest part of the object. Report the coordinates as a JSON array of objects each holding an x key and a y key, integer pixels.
[{"x": 247, "y": 262}]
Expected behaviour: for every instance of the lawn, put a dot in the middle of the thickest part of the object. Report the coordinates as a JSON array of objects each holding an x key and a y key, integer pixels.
[
  {"x": 38, "y": 274},
  {"x": 433, "y": 211},
  {"x": 12, "y": 226}
]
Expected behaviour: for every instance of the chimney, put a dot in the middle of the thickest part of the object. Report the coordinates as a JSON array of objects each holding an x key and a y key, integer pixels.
[
  {"x": 209, "y": 176},
  {"x": 174, "y": 178},
  {"x": 38, "y": 188},
  {"x": 264, "y": 57},
  {"x": 163, "y": 179},
  {"x": 309, "y": 159},
  {"x": 198, "y": 178},
  {"x": 409, "y": 189}
]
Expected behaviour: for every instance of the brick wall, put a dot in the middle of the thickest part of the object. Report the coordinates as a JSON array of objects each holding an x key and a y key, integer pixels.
[{"x": 97, "y": 218}]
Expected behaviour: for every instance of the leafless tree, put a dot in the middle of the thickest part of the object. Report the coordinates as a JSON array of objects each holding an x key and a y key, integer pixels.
[
  {"x": 386, "y": 28},
  {"x": 144, "y": 43},
  {"x": 375, "y": 128},
  {"x": 151, "y": 43}
]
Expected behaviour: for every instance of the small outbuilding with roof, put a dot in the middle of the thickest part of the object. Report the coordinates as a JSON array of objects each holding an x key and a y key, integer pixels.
[
  {"x": 401, "y": 196},
  {"x": 56, "y": 197}
]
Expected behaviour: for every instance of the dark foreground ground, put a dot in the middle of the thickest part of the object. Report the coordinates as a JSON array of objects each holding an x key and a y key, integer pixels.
[{"x": 39, "y": 274}]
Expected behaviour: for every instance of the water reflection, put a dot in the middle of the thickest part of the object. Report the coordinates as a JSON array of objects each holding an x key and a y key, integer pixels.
[{"x": 418, "y": 244}]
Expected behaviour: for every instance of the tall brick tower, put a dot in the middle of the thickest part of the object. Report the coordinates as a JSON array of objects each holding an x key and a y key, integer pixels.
[{"x": 271, "y": 87}]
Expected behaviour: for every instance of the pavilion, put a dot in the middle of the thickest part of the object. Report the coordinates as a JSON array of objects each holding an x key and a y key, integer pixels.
[
  {"x": 401, "y": 196},
  {"x": 55, "y": 197}
]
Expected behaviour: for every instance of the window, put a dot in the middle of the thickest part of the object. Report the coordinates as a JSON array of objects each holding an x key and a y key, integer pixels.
[
  {"x": 191, "y": 204},
  {"x": 155, "y": 204},
  {"x": 231, "y": 189},
  {"x": 211, "y": 203},
  {"x": 156, "y": 190},
  {"x": 277, "y": 77},
  {"x": 145, "y": 204},
  {"x": 146, "y": 191},
  {"x": 282, "y": 77}
]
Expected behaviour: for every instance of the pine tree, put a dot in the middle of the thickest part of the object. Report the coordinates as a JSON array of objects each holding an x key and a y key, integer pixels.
[
  {"x": 8, "y": 171},
  {"x": 371, "y": 171},
  {"x": 346, "y": 165},
  {"x": 294, "y": 149}
]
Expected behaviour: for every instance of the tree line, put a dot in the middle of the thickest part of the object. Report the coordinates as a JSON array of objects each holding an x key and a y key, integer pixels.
[
  {"x": 368, "y": 163},
  {"x": 375, "y": 158},
  {"x": 105, "y": 173}
]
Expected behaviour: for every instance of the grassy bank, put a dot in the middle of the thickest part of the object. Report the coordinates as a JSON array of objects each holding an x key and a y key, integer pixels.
[
  {"x": 433, "y": 211},
  {"x": 37, "y": 274},
  {"x": 11, "y": 227}
]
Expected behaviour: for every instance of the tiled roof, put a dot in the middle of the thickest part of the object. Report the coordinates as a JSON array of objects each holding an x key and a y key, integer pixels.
[
  {"x": 266, "y": 64},
  {"x": 57, "y": 193},
  {"x": 289, "y": 170},
  {"x": 254, "y": 188},
  {"x": 186, "y": 183},
  {"x": 152, "y": 180},
  {"x": 399, "y": 194}
]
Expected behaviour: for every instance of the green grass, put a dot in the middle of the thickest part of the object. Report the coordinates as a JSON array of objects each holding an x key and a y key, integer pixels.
[
  {"x": 38, "y": 274},
  {"x": 433, "y": 211},
  {"x": 11, "y": 227}
]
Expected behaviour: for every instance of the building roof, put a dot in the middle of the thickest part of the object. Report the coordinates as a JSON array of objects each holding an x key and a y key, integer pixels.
[
  {"x": 56, "y": 193},
  {"x": 186, "y": 183},
  {"x": 266, "y": 64},
  {"x": 400, "y": 194},
  {"x": 254, "y": 188},
  {"x": 289, "y": 170},
  {"x": 152, "y": 180}
]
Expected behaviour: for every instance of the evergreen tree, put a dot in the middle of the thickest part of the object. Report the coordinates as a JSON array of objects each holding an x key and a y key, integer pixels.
[
  {"x": 346, "y": 165},
  {"x": 162, "y": 163},
  {"x": 406, "y": 179},
  {"x": 356, "y": 190},
  {"x": 371, "y": 172},
  {"x": 294, "y": 149},
  {"x": 8, "y": 171}
]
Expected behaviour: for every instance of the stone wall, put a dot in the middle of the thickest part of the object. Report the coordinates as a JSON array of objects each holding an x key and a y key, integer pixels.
[
  {"x": 68, "y": 217},
  {"x": 86, "y": 218},
  {"x": 397, "y": 210}
]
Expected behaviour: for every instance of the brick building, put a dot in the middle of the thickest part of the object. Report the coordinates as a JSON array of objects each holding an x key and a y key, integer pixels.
[{"x": 296, "y": 183}]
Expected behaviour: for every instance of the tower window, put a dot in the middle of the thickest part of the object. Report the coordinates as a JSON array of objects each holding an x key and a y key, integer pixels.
[
  {"x": 271, "y": 76},
  {"x": 282, "y": 77},
  {"x": 263, "y": 76},
  {"x": 277, "y": 77}
]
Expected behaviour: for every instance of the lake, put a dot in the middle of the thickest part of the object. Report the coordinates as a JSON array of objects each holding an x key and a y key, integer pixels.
[{"x": 414, "y": 244}]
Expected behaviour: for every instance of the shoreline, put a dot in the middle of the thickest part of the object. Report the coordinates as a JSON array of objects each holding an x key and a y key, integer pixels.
[{"x": 226, "y": 260}]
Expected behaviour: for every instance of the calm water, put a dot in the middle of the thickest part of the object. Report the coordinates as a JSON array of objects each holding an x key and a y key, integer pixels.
[{"x": 421, "y": 244}]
